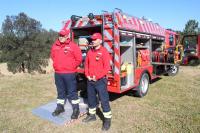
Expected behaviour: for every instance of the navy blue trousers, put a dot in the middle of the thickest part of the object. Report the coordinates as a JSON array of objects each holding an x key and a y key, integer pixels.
[
  {"x": 99, "y": 87},
  {"x": 66, "y": 85}
]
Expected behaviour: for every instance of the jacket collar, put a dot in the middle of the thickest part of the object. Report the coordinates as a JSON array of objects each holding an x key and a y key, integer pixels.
[
  {"x": 98, "y": 48},
  {"x": 62, "y": 44}
]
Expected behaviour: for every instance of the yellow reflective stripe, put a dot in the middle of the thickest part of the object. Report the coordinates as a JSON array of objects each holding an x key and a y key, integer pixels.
[
  {"x": 92, "y": 111},
  {"x": 107, "y": 114},
  {"x": 60, "y": 101},
  {"x": 76, "y": 101}
]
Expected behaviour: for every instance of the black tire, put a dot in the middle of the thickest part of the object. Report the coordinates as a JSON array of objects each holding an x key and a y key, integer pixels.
[
  {"x": 143, "y": 87},
  {"x": 173, "y": 70}
]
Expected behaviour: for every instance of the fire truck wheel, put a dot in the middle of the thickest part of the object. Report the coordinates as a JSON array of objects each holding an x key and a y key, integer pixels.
[
  {"x": 143, "y": 86},
  {"x": 173, "y": 70}
]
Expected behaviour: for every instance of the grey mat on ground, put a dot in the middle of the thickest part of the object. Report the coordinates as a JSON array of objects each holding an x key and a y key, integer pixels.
[{"x": 45, "y": 111}]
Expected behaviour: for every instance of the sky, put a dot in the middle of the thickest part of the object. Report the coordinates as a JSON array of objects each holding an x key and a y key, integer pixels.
[{"x": 172, "y": 14}]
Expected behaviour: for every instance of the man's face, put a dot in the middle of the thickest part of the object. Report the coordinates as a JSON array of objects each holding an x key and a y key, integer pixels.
[
  {"x": 63, "y": 39},
  {"x": 96, "y": 42}
]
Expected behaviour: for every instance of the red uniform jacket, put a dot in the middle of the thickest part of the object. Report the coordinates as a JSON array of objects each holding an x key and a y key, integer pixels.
[
  {"x": 97, "y": 63},
  {"x": 66, "y": 57}
]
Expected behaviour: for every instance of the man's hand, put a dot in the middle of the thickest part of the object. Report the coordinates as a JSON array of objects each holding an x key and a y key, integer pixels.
[
  {"x": 89, "y": 78},
  {"x": 94, "y": 78}
]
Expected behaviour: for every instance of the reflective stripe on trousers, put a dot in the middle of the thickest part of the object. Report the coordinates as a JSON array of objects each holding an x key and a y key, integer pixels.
[
  {"x": 92, "y": 111},
  {"x": 107, "y": 114},
  {"x": 76, "y": 101},
  {"x": 60, "y": 101}
]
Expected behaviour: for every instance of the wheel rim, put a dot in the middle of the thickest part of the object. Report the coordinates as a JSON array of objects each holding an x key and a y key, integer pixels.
[
  {"x": 174, "y": 69},
  {"x": 144, "y": 85}
]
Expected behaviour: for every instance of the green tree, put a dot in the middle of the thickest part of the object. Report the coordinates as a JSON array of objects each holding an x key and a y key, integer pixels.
[
  {"x": 47, "y": 37},
  {"x": 191, "y": 27},
  {"x": 22, "y": 44}
]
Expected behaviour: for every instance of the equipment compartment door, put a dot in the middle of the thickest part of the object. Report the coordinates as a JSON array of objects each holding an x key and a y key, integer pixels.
[{"x": 127, "y": 59}]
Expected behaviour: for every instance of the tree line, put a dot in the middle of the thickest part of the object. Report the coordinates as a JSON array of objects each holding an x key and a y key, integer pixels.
[{"x": 25, "y": 45}]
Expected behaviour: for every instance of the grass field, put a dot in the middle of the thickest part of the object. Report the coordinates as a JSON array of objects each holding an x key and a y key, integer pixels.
[{"x": 171, "y": 105}]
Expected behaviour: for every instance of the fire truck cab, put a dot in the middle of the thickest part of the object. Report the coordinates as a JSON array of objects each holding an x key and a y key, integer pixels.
[{"x": 139, "y": 49}]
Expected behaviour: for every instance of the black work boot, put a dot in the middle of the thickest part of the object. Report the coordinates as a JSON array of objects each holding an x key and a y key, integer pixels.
[
  {"x": 59, "y": 109},
  {"x": 75, "y": 113},
  {"x": 106, "y": 124},
  {"x": 89, "y": 118}
]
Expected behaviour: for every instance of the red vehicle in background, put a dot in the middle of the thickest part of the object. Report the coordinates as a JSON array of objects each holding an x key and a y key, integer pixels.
[
  {"x": 140, "y": 50},
  {"x": 191, "y": 46}
]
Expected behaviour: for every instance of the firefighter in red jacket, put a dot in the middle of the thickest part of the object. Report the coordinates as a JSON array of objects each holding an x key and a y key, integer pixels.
[
  {"x": 66, "y": 56},
  {"x": 97, "y": 65}
]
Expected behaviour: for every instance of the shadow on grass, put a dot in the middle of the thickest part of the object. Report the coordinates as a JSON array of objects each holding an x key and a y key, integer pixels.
[
  {"x": 112, "y": 96},
  {"x": 155, "y": 80},
  {"x": 115, "y": 96}
]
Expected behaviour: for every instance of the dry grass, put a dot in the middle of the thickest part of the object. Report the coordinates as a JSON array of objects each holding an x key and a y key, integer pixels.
[
  {"x": 3, "y": 69},
  {"x": 172, "y": 105}
]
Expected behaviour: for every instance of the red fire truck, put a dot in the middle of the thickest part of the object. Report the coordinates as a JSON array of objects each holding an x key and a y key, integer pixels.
[
  {"x": 191, "y": 46},
  {"x": 140, "y": 50}
]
